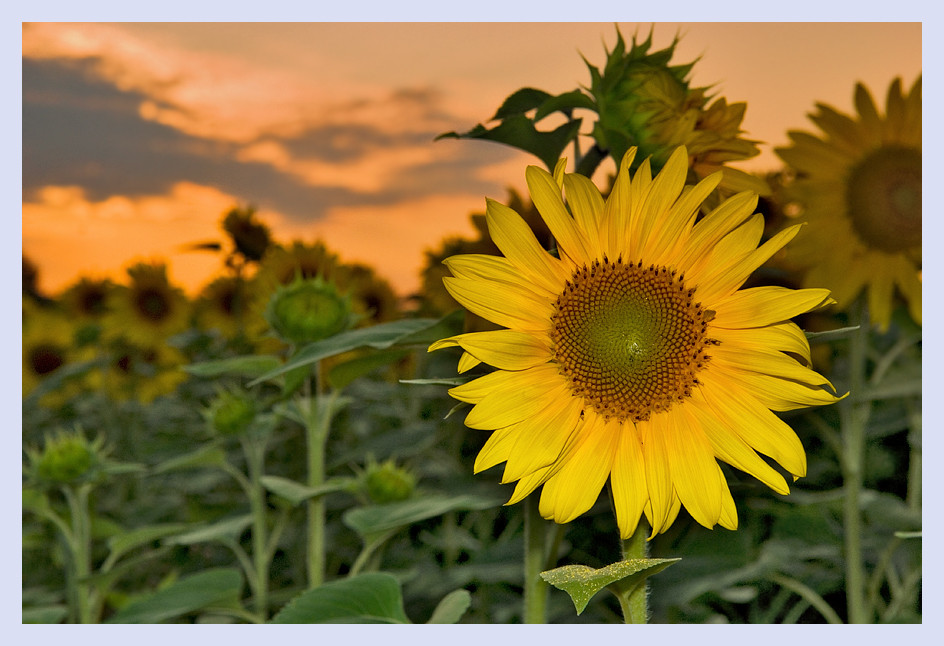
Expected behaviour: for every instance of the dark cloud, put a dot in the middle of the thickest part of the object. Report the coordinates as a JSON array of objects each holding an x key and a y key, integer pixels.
[{"x": 80, "y": 130}]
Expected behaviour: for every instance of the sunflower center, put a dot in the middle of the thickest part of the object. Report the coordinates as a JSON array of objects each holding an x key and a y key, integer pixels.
[
  {"x": 153, "y": 304},
  {"x": 45, "y": 358},
  {"x": 629, "y": 338},
  {"x": 884, "y": 198}
]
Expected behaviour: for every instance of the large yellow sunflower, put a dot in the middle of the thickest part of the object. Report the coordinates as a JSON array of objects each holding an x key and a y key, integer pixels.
[
  {"x": 631, "y": 354},
  {"x": 859, "y": 188}
]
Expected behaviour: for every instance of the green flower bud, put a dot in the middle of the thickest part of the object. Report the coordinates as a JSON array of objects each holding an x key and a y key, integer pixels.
[
  {"x": 66, "y": 457},
  {"x": 231, "y": 413},
  {"x": 387, "y": 482},
  {"x": 308, "y": 310}
]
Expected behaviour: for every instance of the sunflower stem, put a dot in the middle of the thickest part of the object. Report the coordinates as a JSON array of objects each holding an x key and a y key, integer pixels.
[
  {"x": 635, "y": 601},
  {"x": 535, "y": 588},
  {"x": 80, "y": 548},
  {"x": 255, "y": 459},
  {"x": 316, "y": 434},
  {"x": 855, "y": 417}
]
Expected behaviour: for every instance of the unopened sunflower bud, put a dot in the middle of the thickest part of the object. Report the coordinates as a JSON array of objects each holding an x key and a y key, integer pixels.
[
  {"x": 231, "y": 413},
  {"x": 386, "y": 482},
  {"x": 66, "y": 457},
  {"x": 308, "y": 310}
]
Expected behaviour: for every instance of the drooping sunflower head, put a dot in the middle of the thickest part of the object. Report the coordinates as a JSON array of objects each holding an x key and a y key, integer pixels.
[
  {"x": 148, "y": 308},
  {"x": 645, "y": 102},
  {"x": 632, "y": 355},
  {"x": 250, "y": 237},
  {"x": 858, "y": 186}
]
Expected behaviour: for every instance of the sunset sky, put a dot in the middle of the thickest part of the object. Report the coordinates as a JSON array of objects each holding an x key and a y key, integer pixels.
[{"x": 137, "y": 137}]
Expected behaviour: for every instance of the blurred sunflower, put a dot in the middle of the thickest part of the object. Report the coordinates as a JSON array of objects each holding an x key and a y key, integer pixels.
[
  {"x": 149, "y": 308},
  {"x": 48, "y": 346},
  {"x": 859, "y": 188},
  {"x": 141, "y": 372},
  {"x": 645, "y": 102},
  {"x": 373, "y": 298},
  {"x": 223, "y": 305},
  {"x": 633, "y": 355}
]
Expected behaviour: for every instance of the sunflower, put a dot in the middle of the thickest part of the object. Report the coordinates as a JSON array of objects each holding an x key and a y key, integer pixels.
[
  {"x": 223, "y": 305},
  {"x": 859, "y": 188},
  {"x": 142, "y": 372},
  {"x": 632, "y": 354},
  {"x": 149, "y": 308},
  {"x": 644, "y": 101},
  {"x": 49, "y": 346}
]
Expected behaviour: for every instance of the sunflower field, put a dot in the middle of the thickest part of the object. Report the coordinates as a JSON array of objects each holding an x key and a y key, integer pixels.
[{"x": 692, "y": 390}]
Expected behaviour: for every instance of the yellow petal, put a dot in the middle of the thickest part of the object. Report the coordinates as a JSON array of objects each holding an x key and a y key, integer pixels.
[
  {"x": 505, "y": 349},
  {"x": 496, "y": 449},
  {"x": 658, "y": 475},
  {"x": 766, "y": 362},
  {"x": 493, "y": 268},
  {"x": 729, "y": 514},
  {"x": 785, "y": 337},
  {"x": 574, "y": 489},
  {"x": 542, "y": 439},
  {"x": 673, "y": 236},
  {"x": 616, "y": 211},
  {"x": 714, "y": 226},
  {"x": 515, "y": 239},
  {"x": 546, "y": 195},
  {"x": 628, "y": 480},
  {"x": 587, "y": 205},
  {"x": 474, "y": 391},
  {"x": 759, "y": 306},
  {"x": 541, "y": 387},
  {"x": 467, "y": 362},
  {"x": 508, "y": 305},
  {"x": 726, "y": 280},
  {"x": 693, "y": 468},
  {"x": 730, "y": 447},
  {"x": 752, "y": 421}
]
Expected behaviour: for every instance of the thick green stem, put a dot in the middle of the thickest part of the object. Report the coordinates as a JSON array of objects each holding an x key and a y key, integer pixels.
[
  {"x": 635, "y": 601},
  {"x": 255, "y": 459},
  {"x": 535, "y": 588},
  {"x": 80, "y": 548},
  {"x": 855, "y": 417},
  {"x": 318, "y": 422}
]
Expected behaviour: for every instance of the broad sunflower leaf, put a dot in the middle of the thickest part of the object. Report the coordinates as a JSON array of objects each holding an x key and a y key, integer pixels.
[
  {"x": 372, "y": 598},
  {"x": 376, "y": 520},
  {"x": 226, "y": 529},
  {"x": 245, "y": 366},
  {"x": 127, "y": 541},
  {"x": 210, "y": 455},
  {"x": 518, "y": 131},
  {"x": 297, "y": 493},
  {"x": 380, "y": 336},
  {"x": 582, "y": 582},
  {"x": 451, "y": 608},
  {"x": 215, "y": 587},
  {"x": 343, "y": 374}
]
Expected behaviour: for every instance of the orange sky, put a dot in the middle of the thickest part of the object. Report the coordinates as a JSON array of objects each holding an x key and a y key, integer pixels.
[{"x": 254, "y": 90}]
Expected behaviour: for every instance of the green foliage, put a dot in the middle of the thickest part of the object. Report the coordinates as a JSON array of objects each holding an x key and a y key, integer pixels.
[{"x": 582, "y": 582}]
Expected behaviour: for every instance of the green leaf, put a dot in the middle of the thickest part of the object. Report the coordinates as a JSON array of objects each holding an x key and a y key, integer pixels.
[
  {"x": 297, "y": 493},
  {"x": 373, "y": 598},
  {"x": 830, "y": 335},
  {"x": 565, "y": 103},
  {"x": 45, "y": 614},
  {"x": 451, "y": 608},
  {"x": 375, "y": 520},
  {"x": 439, "y": 381},
  {"x": 582, "y": 582},
  {"x": 520, "y": 102},
  {"x": 219, "y": 586},
  {"x": 210, "y": 455},
  {"x": 123, "y": 543},
  {"x": 343, "y": 374},
  {"x": 380, "y": 336},
  {"x": 519, "y": 132},
  {"x": 251, "y": 365},
  {"x": 226, "y": 529}
]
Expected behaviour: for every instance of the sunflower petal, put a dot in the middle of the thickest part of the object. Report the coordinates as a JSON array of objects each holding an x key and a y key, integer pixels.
[
  {"x": 759, "y": 306},
  {"x": 628, "y": 480},
  {"x": 546, "y": 195}
]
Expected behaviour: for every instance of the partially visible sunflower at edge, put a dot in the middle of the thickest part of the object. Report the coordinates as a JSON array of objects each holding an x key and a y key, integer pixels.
[
  {"x": 149, "y": 308},
  {"x": 858, "y": 186},
  {"x": 632, "y": 355},
  {"x": 48, "y": 346}
]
